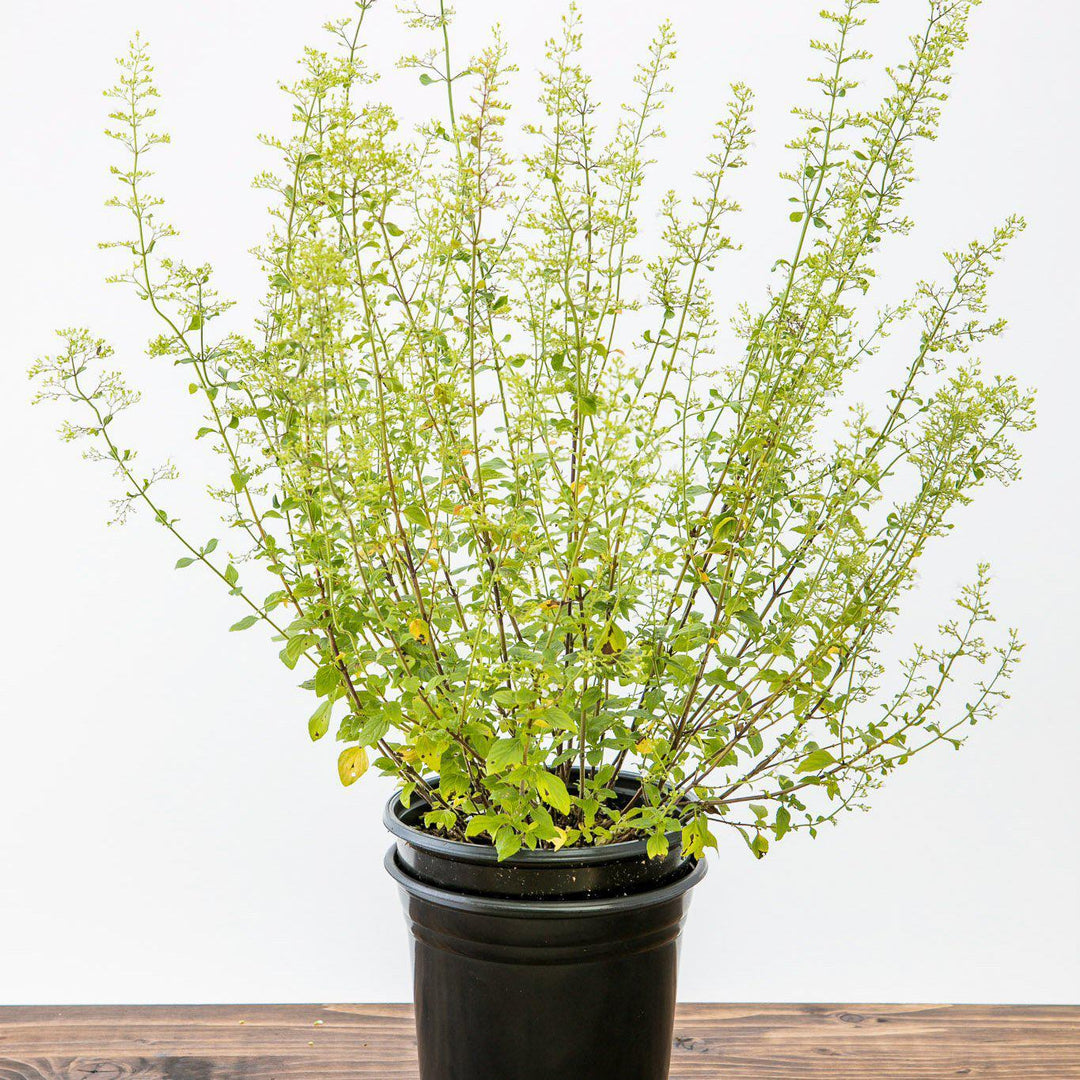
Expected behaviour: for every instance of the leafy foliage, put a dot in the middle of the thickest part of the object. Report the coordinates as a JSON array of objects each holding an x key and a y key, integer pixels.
[{"x": 526, "y": 527}]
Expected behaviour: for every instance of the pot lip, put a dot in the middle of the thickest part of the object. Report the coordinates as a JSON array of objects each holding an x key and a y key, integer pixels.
[
  {"x": 542, "y": 909},
  {"x": 460, "y": 851}
]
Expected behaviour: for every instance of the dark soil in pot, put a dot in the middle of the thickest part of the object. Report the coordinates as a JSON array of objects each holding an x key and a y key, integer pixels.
[
  {"x": 548, "y": 966},
  {"x": 572, "y": 873}
]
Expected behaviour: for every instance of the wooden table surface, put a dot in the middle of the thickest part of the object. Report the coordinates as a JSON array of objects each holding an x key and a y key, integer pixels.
[{"x": 376, "y": 1042}]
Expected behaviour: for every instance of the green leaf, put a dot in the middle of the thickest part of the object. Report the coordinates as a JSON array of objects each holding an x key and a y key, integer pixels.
[
  {"x": 319, "y": 722},
  {"x": 553, "y": 791},
  {"x": 246, "y": 622},
  {"x": 426, "y": 79},
  {"x": 507, "y": 843},
  {"x": 587, "y": 404},
  {"x": 326, "y": 679},
  {"x": 187, "y": 560},
  {"x": 482, "y": 823},
  {"x": 815, "y": 761},
  {"x": 559, "y": 718},
  {"x": 503, "y": 753},
  {"x": 196, "y": 322},
  {"x": 393, "y": 229},
  {"x": 750, "y": 620},
  {"x": 293, "y": 649},
  {"x": 374, "y": 729},
  {"x": 414, "y": 513},
  {"x": 444, "y": 819}
]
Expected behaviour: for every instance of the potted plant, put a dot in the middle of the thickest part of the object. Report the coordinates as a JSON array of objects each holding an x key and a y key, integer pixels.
[{"x": 591, "y": 579}]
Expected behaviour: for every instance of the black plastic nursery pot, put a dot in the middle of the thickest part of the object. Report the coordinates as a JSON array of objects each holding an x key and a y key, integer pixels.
[{"x": 552, "y": 965}]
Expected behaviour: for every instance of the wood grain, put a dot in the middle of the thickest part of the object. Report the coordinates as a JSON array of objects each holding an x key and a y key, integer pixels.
[{"x": 376, "y": 1042}]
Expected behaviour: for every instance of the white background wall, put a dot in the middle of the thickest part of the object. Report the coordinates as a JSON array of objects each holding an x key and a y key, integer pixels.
[{"x": 168, "y": 832}]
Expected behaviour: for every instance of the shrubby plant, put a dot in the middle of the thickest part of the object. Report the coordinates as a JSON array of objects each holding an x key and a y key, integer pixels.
[{"x": 532, "y": 520}]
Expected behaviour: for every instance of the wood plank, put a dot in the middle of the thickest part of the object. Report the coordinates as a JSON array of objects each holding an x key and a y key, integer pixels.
[{"x": 365, "y": 1042}]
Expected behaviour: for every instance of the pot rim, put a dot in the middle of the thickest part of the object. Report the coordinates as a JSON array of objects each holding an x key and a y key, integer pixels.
[
  {"x": 537, "y": 909},
  {"x": 464, "y": 851}
]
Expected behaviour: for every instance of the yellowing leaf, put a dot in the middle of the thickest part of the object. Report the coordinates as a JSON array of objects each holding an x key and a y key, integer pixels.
[
  {"x": 419, "y": 630},
  {"x": 320, "y": 720},
  {"x": 352, "y": 764},
  {"x": 657, "y": 846},
  {"x": 614, "y": 641}
]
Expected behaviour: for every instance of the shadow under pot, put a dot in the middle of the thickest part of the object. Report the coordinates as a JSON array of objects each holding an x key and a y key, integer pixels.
[{"x": 549, "y": 965}]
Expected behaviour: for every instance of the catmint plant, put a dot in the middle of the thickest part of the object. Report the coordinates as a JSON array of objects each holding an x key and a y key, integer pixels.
[{"x": 529, "y": 519}]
